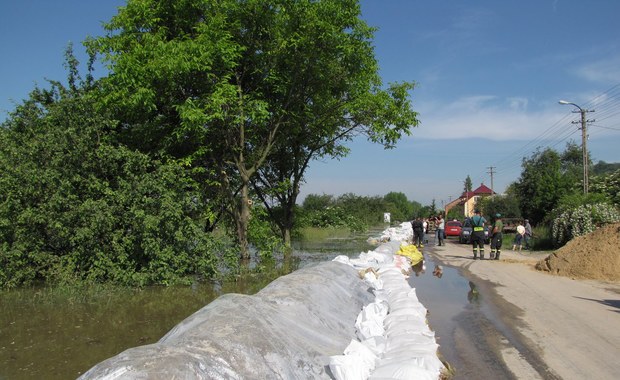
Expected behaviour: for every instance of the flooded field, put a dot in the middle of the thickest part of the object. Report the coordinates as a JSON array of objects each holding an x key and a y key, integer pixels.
[{"x": 51, "y": 336}]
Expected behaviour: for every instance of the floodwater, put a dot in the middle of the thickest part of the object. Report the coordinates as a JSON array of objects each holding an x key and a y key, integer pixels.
[
  {"x": 464, "y": 327},
  {"x": 51, "y": 336}
]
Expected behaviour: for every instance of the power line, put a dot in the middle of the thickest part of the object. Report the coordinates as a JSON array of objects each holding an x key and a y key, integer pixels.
[{"x": 608, "y": 106}]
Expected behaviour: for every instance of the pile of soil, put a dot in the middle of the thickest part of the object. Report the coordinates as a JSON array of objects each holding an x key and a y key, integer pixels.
[{"x": 595, "y": 256}]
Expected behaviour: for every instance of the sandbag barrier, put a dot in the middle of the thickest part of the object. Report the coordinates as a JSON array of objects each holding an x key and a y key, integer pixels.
[
  {"x": 298, "y": 327},
  {"x": 394, "y": 340}
]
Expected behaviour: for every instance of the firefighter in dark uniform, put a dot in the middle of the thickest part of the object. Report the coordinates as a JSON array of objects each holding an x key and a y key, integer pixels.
[
  {"x": 477, "y": 235},
  {"x": 496, "y": 237}
]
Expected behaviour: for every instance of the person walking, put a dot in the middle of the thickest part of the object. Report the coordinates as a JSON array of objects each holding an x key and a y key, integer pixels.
[
  {"x": 477, "y": 235},
  {"x": 528, "y": 234},
  {"x": 496, "y": 237},
  {"x": 519, "y": 238},
  {"x": 441, "y": 225}
]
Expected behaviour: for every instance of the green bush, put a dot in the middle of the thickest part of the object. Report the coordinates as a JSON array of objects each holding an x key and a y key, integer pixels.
[
  {"x": 581, "y": 220},
  {"x": 75, "y": 206}
]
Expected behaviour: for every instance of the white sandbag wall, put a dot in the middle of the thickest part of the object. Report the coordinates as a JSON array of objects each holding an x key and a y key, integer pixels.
[
  {"x": 319, "y": 322},
  {"x": 288, "y": 330},
  {"x": 394, "y": 340}
]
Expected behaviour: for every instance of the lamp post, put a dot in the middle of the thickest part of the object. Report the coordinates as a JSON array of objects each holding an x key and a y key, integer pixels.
[{"x": 584, "y": 139}]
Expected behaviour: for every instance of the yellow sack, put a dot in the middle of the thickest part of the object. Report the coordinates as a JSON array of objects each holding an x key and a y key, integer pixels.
[{"x": 411, "y": 252}]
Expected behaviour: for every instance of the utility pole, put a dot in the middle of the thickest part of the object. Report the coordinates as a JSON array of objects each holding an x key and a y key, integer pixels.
[
  {"x": 491, "y": 172},
  {"x": 584, "y": 139}
]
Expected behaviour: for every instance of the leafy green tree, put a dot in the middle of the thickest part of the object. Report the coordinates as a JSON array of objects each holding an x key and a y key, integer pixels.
[
  {"x": 456, "y": 212},
  {"x": 399, "y": 206},
  {"x": 223, "y": 86},
  {"x": 315, "y": 202},
  {"x": 467, "y": 184},
  {"x": 541, "y": 184},
  {"x": 75, "y": 205},
  {"x": 347, "y": 99},
  {"x": 572, "y": 164},
  {"x": 607, "y": 184},
  {"x": 416, "y": 210},
  {"x": 506, "y": 205},
  {"x": 603, "y": 167},
  {"x": 432, "y": 209}
]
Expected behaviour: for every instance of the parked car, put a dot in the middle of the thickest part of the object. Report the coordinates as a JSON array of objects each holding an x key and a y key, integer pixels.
[
  {"x": 467, "y": 229},
  {"x": 453, "y": 228}
]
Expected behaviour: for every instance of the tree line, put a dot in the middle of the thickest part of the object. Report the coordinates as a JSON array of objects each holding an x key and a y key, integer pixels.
[
  {"x": 203, "y": 127},
  {"x": 549, "y": 192}
]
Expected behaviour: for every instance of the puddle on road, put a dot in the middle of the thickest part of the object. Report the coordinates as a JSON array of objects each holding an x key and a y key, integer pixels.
[{"x": 459, "y": 315}]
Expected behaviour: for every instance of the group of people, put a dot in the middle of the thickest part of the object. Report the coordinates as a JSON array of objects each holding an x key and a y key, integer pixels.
[
  {"x": 421, "y": 227},
  {"x": 524, "y": 233}
]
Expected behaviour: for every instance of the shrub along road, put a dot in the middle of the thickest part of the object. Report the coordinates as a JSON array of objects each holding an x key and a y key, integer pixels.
[{"x": 540, "y": 326}]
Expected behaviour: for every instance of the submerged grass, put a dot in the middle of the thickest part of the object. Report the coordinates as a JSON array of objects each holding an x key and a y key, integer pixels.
[{"x": 321, "y": 233}]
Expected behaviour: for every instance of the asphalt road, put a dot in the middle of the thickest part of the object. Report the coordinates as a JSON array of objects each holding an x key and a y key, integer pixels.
[{"x": 531, "y": 325}]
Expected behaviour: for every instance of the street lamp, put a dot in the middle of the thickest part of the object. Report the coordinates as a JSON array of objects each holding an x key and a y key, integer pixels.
[{"x": 584, "y": 139}]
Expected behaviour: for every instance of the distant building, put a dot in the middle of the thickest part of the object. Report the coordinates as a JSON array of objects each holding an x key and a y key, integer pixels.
[{"x": 470, "y": 199}]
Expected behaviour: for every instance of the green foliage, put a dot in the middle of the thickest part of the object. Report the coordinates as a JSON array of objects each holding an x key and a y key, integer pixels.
[
  {"x": 574, "y": 221},
  {"x": 398, "y": 206},
  {"x": 543, "y": 181},
  {"x": 262, "y": 236},
  {"x": 603, "y": 167},
  {"x": 456, "y": 212},
  {"x": 507, "y": 206},
  {"x": 315, "y": 202},
  {"x": 75, "y": 206},
  {"x": 249, "y": 89},
  {"x": 349, "y": 210},
  {"x": 608, "y": 185},
  {"x": 467, "y": 184},
  {"x": 117, "y": 180}
]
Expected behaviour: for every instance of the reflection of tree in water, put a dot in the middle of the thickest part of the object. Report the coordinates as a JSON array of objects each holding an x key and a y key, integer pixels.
[{"x": 472, "y": 295}]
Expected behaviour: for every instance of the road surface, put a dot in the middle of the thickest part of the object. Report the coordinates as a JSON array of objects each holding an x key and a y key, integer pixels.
[{"x": 531, "y": 325}]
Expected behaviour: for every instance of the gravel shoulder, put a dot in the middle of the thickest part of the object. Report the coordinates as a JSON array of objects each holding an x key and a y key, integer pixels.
[{"x": 548, "y": 327}]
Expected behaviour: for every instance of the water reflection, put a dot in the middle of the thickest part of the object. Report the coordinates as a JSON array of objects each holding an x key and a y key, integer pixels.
[
  {"x": 438, "y": 271},
  {"x": 55, "y": 335},
  {"x": 419, "y": 268},
  {"x": 46, "y": 335},
  {"x": 473, "y": 295}
]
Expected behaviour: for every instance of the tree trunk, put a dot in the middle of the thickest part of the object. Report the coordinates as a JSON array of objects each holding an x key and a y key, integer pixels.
[
  {"x": 243, "y": 221},
  {"x": 287, "y": 237}
]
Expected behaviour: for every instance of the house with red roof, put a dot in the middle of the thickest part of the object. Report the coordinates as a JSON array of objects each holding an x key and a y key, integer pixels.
[{"x": 469, "y": 199}]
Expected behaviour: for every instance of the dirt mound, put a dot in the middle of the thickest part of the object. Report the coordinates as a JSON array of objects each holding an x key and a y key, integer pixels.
[{"x": 595, "y": 256}]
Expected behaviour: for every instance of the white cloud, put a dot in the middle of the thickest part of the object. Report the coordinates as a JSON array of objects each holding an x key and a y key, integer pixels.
[
  {"x": 602, "y": 71},
  {"x": 518, "y": 104},
  {"x": 489, "y": 117}
]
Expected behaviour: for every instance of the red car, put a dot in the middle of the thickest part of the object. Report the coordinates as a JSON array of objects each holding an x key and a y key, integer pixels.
[{"x": 453, "y": 228}]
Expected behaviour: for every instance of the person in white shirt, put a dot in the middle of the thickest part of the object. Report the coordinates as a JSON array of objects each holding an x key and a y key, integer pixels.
[
  {"x": 519, "y": 237},
  {"x": 441, "y": 225}
]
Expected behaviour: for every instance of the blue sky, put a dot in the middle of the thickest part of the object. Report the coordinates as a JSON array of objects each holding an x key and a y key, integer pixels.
[{"x": 489, "y": 76}]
